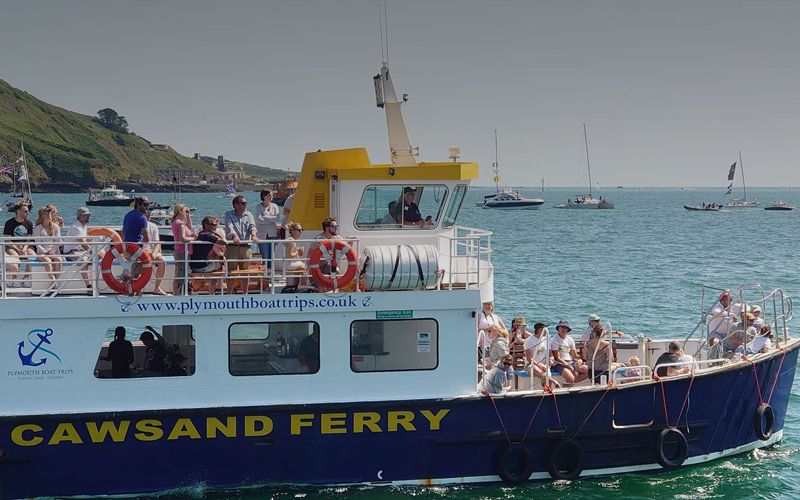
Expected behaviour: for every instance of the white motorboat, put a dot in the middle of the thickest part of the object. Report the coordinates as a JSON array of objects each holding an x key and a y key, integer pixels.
[
  {"x": 780, "y": 206},
  {"x": 512, "y": 201}
]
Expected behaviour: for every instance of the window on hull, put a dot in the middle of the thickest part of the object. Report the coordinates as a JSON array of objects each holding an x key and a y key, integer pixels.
[
  {"x": 394, "y": 345},
  {"x": 135, "y": 351},
  {"x": 275, "y": 348}
]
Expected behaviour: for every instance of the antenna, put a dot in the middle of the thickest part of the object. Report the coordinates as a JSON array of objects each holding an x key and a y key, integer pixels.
[{"x": 383, "y": 18}]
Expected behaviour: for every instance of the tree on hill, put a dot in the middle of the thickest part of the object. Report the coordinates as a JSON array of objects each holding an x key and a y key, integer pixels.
[{"x": 111, "y": 120}]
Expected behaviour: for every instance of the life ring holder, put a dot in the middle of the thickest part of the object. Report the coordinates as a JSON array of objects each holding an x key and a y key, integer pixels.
[
  {"x": 565, "y": 452},
  {"x": 127, "y": 285},
  {"x": 515, "y": 464},
  {"x": 763, "y": 413},
  {"x": 106, "y": 232},
  {"x": 683, "y": 448},
  {"x": 328, "y": 249}
]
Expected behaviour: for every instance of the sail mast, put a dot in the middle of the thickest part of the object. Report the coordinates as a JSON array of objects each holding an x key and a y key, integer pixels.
[
  {"x": 588, "y": 166},
  {"x": 26, "y": 187},
  {"x": 496, "y": 165},
  {"x": 741, "y": 166}
]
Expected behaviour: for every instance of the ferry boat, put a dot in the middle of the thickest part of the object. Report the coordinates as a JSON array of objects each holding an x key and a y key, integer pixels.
[
  {"x": 109, "y": 196},
  {"x": 371, "y": 380}
]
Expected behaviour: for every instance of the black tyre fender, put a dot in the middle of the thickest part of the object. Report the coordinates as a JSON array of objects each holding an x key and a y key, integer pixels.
[
  {"x": 764, "y": 415},
  {"x": 515, "y": 464},
  {"x": 565, "y": 460},
  {"x": 683, "y": 448}
]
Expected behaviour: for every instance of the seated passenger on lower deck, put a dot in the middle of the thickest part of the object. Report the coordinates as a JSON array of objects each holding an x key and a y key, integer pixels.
[
  {"x": 205, "y": 244},
  {"x": 565, "y": 359},
  {"x": 496, "y": 379},
  {"x": 673, "y": 355}
]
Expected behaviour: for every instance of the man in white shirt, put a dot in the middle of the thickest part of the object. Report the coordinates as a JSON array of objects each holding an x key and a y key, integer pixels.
[
  {"x": 75, "y": 248},
  {"x": 594, "y": 320},
  {"x": 268, "y": 225},
  {"x": 565, "y": 359},
  {"x": 722, "y": 318},
  {"x": 536, "y": 350},
  {"x": 758, "y": 322}
]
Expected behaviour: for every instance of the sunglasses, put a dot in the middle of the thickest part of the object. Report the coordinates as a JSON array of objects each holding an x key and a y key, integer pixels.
[
  {"x": 334, "y": 226},
  {"x": 507, "y": 364}
]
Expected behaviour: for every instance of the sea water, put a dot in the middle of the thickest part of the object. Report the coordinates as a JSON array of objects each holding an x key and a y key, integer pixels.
[{"x": 640, "y": 267}]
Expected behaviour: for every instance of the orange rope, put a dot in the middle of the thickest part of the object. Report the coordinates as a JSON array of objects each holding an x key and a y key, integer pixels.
[
  {"x": 502, "y": 425},
  {"x": 547, "y": 388}
]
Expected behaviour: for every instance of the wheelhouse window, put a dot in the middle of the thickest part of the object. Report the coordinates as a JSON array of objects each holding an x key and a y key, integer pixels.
[
  {"x": 411, "y": 206},
  {"x": 394, "y": 345},
  {"x": 135, "y": 351},
  {"x": 454, "y": 207},
  {"x": 276, "y": 348}
]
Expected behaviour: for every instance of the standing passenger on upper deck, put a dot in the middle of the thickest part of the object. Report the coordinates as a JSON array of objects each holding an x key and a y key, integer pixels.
[
  {"x": 240, "y": 226},
  {"x": 722, "y": 318},
  {"x": 153, "y": 246},
  {"x": 411, "y": 214},
  {"x": 182, "y": 233},
  {"x": 268, "y": 225}
]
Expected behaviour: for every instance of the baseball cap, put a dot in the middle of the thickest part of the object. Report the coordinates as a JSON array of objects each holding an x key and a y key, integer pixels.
[
  {"x": 594, "y": 317},
  {"x": 82, "y": 211},
  {"x": 539, "y": 325},
  {"x": 409, "y": 189}
]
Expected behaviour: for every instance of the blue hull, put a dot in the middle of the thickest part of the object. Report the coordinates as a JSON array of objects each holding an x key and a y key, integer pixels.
[{"x": 420, "y": 441}]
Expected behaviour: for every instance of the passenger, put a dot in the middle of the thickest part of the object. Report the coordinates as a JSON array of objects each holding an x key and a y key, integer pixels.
[
  {"x": 630, "y": 371},
  {"x": 392, "y": 217},
  {"x": 740, "y": 333},
  {"x": 594, "y": 321},
  {"x": 19, "y": 226},
  {"x": 155, "y": 351},
  {"x": 761, "y": 343},
  {"x": 76, "y": 248},
  {"x": 175, "y": 363},
  {"x": 268, "y": 225},
  {"x": 565, "y": 359},
  {"x": 497, "y": 345},
  {"x": 516, "y": 341},
  {"x": 330, "y": 231},
  {"x": 153, "y": 247},
  {"x": 287, "y": 209},
  {"x": 134, "y": 225},
  {"x": 496, "y": 380},
  {"x": 240, "y": 226},
  {"x": 54, "y": 214},
  {"x": 182, "y": 233},
  {"x": 595, "y": 352},
  {"x": 411, "y": 214},
  {"x": 308, "y": 352},
  {"x": 536, "y": 351},
  {"x": 294, "y": 252},
  {"x": 120, "y": 353},
  {"x": 722, "y": 318},
  {"x": 48, "y": 248},
  {"x": 758, "y": 321},
  {"x": 207, "y": 242},
  {"x": 673, "y": 355}
]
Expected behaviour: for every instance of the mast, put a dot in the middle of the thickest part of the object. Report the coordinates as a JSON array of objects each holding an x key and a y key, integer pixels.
[
  {"x": 496, "y": 165},
  {"x": 588, "y": 166},
  {"x": 741, "y": 166},
  {"x": 26, "y": 187}
]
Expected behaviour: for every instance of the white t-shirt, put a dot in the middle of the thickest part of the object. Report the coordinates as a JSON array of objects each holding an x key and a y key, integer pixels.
[
  {"x": 74, "y": 232},
  {"x": 152, "y": 230},
  {"x": 538, "y": 346},
  {"x": 287, "y": 206},
  {"x": 564, "y": 346},
  {"x": 759, "y": 343}
]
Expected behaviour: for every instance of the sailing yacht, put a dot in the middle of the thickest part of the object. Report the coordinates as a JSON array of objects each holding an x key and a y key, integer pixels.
[
  {"x": 22, "y": 183},
  {"x": 739, "y": 202},
  {"x": 586, "y": 201},
  {"x": 230, "y": 190}
]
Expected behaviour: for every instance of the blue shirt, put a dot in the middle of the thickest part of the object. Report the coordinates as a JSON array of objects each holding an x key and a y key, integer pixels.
[{"x": 132, "y": 226}]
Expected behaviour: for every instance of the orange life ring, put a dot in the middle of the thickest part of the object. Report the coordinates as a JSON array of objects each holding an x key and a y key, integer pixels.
[
  {"x": 332, "y": 282},
  {"x": 127, "y": 285},
  {"x": 104, "y": 231}
]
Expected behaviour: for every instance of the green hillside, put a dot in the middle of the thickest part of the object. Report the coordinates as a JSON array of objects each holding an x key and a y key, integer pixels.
[{"x": 67, "y": 148}]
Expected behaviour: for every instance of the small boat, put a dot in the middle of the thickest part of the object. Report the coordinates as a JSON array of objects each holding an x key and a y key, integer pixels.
[
  {"x": 739, "y": 202},
  {"x": 109, "y": 196},
  {"x": 703, "y": 207},
  {"x": 283, "y": 190},
  {"x": 512, "y": 201},
  {"x": 21, "y": 182},
  {"x": 779, "y": 206},
  {"x": 587, "y": 201},
  {"x": 230, "y": 190}
]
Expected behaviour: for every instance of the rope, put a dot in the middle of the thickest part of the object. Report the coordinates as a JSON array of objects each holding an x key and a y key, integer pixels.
[
  {"x": 663, "y": 398},
  {"x": 777, "y": 375},
  {"x": 500, "y": 418},
  {"x": 549, "y": 389},
  {"x": 608, "y": 388},
  {"x": 758, "y": 385},
  {"x": 685, "y": 399},
  {"x": 533, "y": 417}
]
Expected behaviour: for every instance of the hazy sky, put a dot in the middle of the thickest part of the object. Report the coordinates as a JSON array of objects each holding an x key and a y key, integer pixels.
[{"x": 669, "y": 90}]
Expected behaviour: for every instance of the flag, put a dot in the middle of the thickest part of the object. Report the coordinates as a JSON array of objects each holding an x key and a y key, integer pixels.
[
  {"x": 728, "y": 191},
  {"x": 732, "y": 171},
  {"x": 7, "y": 169}
]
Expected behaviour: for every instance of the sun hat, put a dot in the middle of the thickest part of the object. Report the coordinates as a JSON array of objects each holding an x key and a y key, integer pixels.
[{"x": 564, "y": 323}]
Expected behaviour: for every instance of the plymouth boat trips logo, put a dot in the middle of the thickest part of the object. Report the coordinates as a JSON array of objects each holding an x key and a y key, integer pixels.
[{"x": 38, "y": 354}]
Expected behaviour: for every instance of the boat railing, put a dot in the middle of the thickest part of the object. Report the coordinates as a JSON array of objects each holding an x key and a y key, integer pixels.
[
  {"x": 629, "y": 374},
  {"x": 693, "y": 366},
  {"x": 463, "y": 261}
]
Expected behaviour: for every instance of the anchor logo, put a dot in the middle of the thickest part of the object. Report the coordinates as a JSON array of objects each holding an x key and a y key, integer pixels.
[{"x": 43, "y": 335}]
